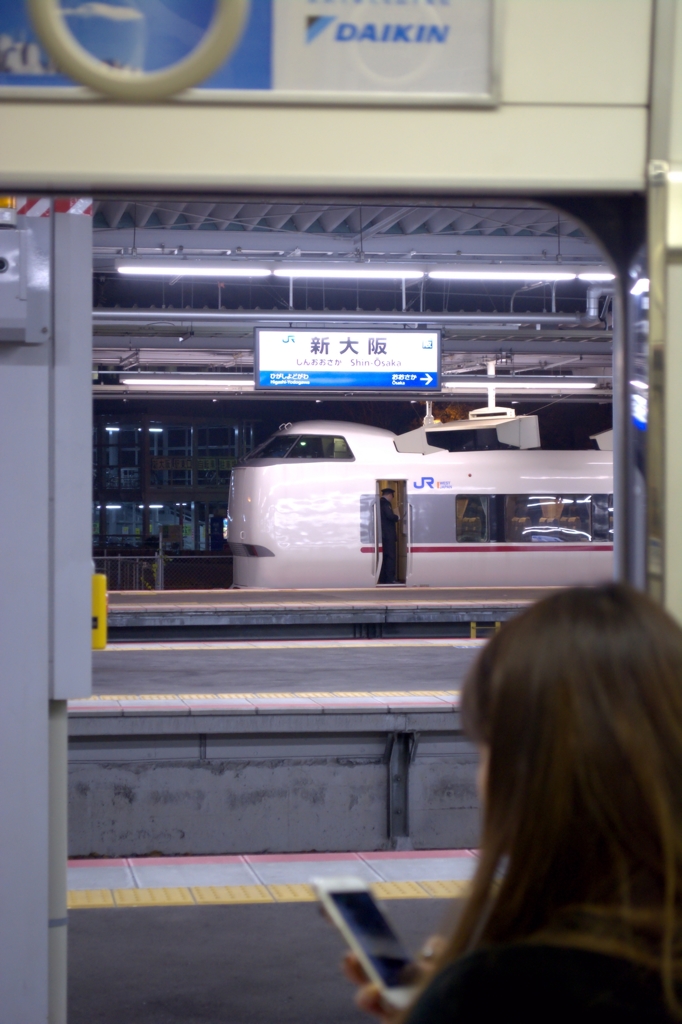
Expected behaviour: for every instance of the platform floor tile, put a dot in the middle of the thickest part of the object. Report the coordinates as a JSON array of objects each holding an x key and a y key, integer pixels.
[
  {"x": 95, "y": 877},
  {"x": 190, "y": 875},
  {"x": 294, "y": 872},
  {"x": 80, "y": 899},
  {"x": 446, "y": 889},
  {"x": 293, "y": 893},
  {"x": 419, "y": 868},
  {"x": 172, "y": 896},
  {"x": 399, "y": 891},
  {"x": 207, "y": 894}
]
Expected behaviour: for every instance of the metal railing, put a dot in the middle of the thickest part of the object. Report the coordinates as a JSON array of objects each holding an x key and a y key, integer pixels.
[{"x": 166, "y": 572}]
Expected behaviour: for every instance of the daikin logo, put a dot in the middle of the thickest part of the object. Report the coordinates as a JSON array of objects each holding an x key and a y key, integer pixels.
[
  {"x": 315, "y": 26},
  {"x": 348, "y": 31}
]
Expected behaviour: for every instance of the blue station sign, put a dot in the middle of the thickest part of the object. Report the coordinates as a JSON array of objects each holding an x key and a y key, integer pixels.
[{"x": 372, "y": 360}]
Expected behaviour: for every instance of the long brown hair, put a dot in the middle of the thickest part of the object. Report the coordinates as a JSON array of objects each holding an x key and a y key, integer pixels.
[{"x": 579, "y": 701}]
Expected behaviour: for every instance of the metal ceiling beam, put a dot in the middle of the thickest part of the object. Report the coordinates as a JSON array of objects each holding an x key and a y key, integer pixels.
[{"x": 542, "y": 248}]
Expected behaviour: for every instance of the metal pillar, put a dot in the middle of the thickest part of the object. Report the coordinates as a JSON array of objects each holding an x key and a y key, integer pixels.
[
  {"x": 45, "y": 569},
  {"x": 664, "y": 476},
  {"x": 400, "y": 753}
]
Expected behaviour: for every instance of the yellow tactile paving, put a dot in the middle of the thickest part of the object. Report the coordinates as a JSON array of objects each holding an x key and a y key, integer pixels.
[
  {"x": 295, "y": 893},
  {"x": 205, "y": 894},
  {"x": 81, "y": 899},
  {"x": 445, "y": 890},
  {"x": 170, "y": 897},
  {"x": 272, "y": 696},
  {"x": 349, "y": 693},
  {"x": 399, "y": 891}
]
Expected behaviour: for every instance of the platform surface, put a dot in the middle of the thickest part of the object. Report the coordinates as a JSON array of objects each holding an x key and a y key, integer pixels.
[
  {"x": 286, "y": 666},
  {"x": 264, "y": 963},
  {"x": 262, "y": 878},
  {"x": 365, "y": 596}
]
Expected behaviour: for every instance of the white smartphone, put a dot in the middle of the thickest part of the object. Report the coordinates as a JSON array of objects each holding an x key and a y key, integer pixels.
[{"x": 350, "y": 905}]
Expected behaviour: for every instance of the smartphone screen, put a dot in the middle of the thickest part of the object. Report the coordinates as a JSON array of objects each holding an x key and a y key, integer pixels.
[{"x": 375, "y": 935}]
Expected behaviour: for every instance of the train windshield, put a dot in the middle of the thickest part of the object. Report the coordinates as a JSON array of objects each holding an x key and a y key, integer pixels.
[
  {"x": 303, "y": 446},
  {"x": 310, "y": 446},
  {"x": 274, "y": 448}
]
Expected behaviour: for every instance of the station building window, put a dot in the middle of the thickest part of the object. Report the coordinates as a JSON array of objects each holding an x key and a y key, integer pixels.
[
  {"x": 124, "y": 523},
  {"x": 151, "y": 477},
  {"x": 117, "y": 451},
  {"x": 170, "y": 450},
  {"x": 217, "y": 453}
]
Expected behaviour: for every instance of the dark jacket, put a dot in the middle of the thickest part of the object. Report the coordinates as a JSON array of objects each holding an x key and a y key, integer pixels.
[
  {"x": 388, "y": 521},
  {"x": 541, "y": 985}
]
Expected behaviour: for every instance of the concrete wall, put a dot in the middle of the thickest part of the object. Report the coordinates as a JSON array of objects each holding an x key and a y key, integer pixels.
[{"x": 151, "y": 786}]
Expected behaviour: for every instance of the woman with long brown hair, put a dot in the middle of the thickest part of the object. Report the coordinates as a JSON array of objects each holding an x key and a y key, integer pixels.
[{"x": 576, "y": 904}]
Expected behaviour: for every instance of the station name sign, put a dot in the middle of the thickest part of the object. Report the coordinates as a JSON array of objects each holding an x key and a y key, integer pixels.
[{"x": 372, "y": 360}]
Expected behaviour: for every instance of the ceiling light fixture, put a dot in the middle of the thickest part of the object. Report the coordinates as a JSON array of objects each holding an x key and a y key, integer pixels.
[
  {"x": 352, "y": 273},
  {"x": 188, "y": 268},
  {"x": 164, "y": 383},
  {"x": 501, "y": 384},
  {"x": 501, "y": 275},
  {"x": 596, "y": 278}
]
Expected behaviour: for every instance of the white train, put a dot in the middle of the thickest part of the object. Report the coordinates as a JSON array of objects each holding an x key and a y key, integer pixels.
[{"x": 477, "y": 505}]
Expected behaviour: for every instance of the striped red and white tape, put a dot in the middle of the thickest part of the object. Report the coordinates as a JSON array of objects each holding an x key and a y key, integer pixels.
[{"x": 41, "y": 207}]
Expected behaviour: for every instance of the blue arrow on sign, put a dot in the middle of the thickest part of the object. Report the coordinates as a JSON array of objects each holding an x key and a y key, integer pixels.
[{"x": 427, "y": 379}]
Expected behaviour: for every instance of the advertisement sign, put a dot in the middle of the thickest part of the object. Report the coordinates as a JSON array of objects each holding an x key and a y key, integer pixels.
[
  {"x": 434, "y": 51},
  {"x": 347, "y": 360}
]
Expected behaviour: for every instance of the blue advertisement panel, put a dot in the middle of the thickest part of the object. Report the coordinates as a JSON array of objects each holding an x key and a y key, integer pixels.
[
  {"x": 311, "y": 50},
  {"x": 348, "y": 360}
]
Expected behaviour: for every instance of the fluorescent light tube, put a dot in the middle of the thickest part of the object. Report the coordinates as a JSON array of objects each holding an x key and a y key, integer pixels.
[
  {"x": 348, "y": 273},
  {"x": 505, "y": 384},
  {"x": 184, "y": 382},
  {"x": 188, "y": 268},
  {"x": 640, "y": 287},
  {"x": 596, "y": 277},
  {"x": 501, "y": 275}
]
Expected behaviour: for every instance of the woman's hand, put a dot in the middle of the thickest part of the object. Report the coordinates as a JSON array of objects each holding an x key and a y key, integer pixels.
[{"x": 369, "y": 995}]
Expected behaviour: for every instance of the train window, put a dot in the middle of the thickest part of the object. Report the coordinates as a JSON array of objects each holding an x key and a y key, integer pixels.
[
  {"x": 602, "y": 517},
  {"x": 472, "y": 518},
  {"x": 549, "y": 518},
  {"x": 275, "y": 448},
  {"x": 310, "y": 446}
]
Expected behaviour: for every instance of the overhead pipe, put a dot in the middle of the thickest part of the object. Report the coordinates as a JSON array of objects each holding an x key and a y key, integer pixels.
[
  {"x": 595, "y": 292},
  {"x": 289, "y": 317}
]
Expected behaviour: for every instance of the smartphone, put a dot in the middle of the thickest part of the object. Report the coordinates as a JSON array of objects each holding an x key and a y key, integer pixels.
[{"x": 351, "y": 907}]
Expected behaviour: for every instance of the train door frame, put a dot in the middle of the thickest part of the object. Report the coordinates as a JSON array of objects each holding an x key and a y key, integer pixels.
[{"x": 400, "y": 505}]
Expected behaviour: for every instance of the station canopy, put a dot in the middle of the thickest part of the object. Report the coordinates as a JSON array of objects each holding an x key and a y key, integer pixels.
[{"x": 512, "y": 288}]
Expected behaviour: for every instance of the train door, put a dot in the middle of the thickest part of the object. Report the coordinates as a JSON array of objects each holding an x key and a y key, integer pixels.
[{"x": 394, "y": 570}]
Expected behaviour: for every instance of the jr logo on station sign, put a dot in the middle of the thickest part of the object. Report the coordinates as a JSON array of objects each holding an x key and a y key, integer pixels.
[{"x": 348, "y": 360}]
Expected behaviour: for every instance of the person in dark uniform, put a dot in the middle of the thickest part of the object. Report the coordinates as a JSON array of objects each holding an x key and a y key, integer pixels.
[{"x": 388, "y": 536}]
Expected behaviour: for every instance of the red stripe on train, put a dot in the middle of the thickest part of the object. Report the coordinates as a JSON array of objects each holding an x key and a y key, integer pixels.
[{"x": 498, "y": 548}]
